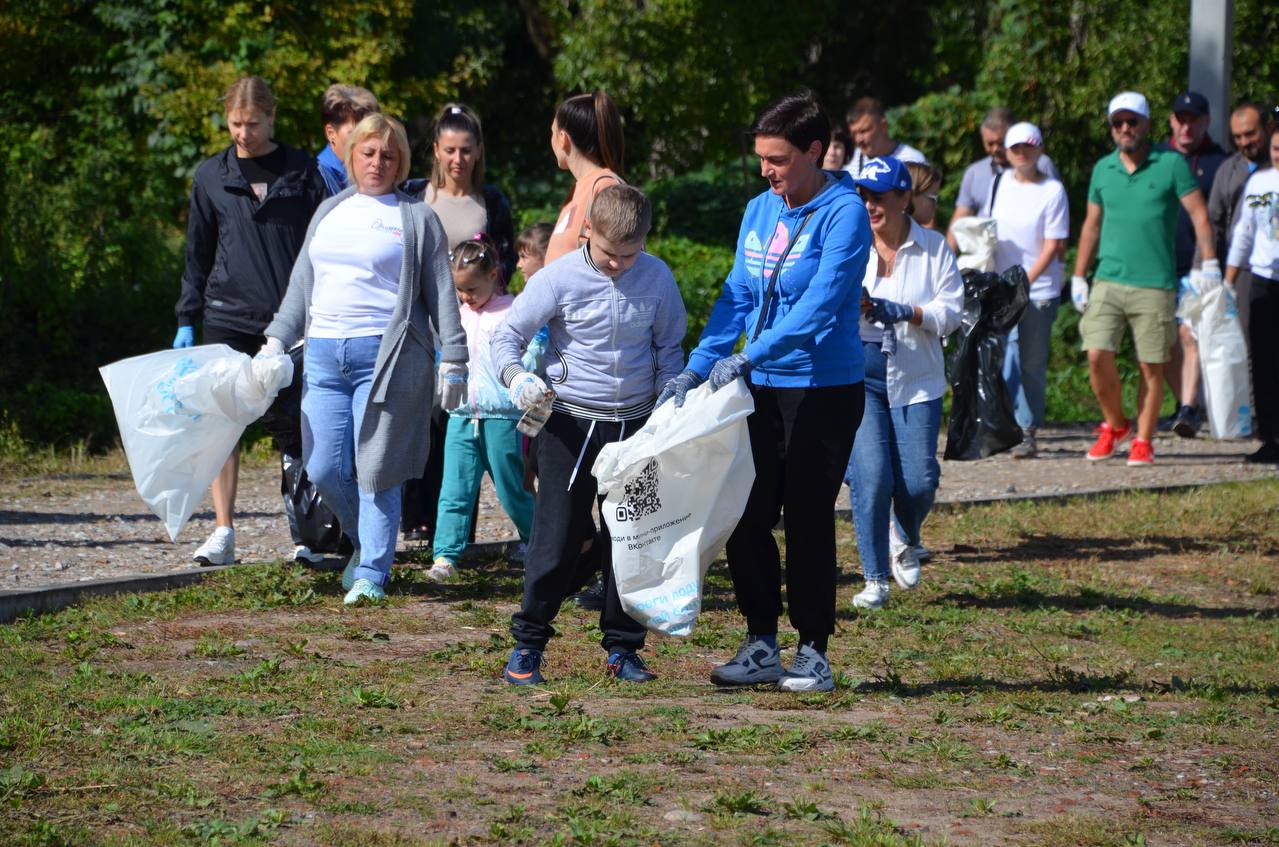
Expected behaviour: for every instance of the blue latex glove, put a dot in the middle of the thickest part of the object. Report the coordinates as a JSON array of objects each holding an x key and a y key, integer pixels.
[
  {"x": 887, "y": 312},
  {"x": 678, "y": 387},
  {"x": 728, "y": 369},
  {"x": 184, "y": 338}
]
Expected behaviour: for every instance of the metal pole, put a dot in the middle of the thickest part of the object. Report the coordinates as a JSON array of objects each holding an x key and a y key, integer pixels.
[{"x": 1211, "y": 39}]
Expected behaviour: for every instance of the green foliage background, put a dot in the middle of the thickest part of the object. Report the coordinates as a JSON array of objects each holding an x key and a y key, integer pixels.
[{"x": 108, "y": 107}]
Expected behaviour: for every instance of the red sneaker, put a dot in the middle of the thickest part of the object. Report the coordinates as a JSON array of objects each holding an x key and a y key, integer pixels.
[
  {"x": 1107, "y": 439},
  {"x": 1141, "y": 453}
]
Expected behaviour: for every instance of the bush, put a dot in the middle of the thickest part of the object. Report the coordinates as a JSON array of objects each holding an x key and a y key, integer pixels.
[{"x": 700, "y": 270}]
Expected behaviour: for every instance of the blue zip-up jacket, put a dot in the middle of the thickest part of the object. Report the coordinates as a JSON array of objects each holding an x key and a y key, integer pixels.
[
  {"x": 332, "y": 170},
  {"x": 809, "y": 339}
]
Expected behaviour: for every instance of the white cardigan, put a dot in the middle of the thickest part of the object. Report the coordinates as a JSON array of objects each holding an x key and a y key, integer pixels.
[{"x": 924, "y": 274}]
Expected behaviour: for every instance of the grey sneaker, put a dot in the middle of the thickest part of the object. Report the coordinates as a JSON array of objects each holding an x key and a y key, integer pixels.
[
  {"x": 1027, "y": 449},
  {"x": 809, "y": 672},
  {"x": 218, "y": 549},
  {"x": 754, "y": 664}
]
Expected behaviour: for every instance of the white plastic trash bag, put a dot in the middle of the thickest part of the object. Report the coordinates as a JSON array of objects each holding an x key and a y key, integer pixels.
[
  {"x": 977, "y": 239},
  {"x": 1223, "y": 360},
  {"x": 180, "y": 414},
  {"x": 674, "y": 492}
]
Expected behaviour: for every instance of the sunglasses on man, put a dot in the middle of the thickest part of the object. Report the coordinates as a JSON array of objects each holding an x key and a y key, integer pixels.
[{"x": 1120, "y": 123}]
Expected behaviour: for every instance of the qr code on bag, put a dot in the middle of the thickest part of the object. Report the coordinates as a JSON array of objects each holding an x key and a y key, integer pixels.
[{"x": 641, "y": 498}]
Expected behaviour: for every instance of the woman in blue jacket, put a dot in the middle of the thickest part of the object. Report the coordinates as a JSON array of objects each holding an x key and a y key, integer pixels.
[{"x": 794, "y": 291}]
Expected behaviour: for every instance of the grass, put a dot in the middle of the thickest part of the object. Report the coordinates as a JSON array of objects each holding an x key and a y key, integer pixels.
[{"x": 1101, "y": 672}]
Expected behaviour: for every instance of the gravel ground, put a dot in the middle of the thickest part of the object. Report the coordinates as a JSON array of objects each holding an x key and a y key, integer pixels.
[{"x": 66, "y": 528}]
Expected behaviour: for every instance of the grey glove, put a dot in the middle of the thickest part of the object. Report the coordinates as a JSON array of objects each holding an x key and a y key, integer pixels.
[
  {"x": 728, "y": 369},
  {"x": 678, "y": 387}
]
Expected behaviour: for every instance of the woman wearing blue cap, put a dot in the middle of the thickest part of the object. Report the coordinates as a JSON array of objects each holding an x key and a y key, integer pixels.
[
  {"x": 914, "y": 299},
  {"x": 794, "y": 292}
]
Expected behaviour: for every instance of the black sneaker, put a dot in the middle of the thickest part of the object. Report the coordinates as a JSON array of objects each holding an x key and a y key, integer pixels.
[
  {"x": 628, "y": 666},
  {"x": 1186, "y": 422},
  {"x": 524, "y": 667},
  {"x": 591, "y": 598},
  {"x": 1267, "y": 455}
]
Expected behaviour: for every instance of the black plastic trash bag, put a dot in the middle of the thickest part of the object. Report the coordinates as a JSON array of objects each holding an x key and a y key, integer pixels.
[
  {"x": 982, "y": 422},
  {"x": 311, "y": 522}
]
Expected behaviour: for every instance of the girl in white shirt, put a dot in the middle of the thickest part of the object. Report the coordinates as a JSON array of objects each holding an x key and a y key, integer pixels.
[
  {"x": 912, "y": 289},
  {"x": 1033, "y": 219},
  {"x": 1256, "y": 241}
]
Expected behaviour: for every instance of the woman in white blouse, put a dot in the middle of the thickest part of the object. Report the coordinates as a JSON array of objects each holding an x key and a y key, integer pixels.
[
  {"x": 912, "y": 298},
  {"x": 370, "y": 287}
]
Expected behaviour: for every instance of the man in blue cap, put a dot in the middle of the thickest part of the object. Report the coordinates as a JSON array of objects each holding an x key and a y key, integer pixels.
[{"x": 1188, "y": 121}]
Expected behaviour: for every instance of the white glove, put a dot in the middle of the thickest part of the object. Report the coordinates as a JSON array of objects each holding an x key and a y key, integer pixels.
[
  {"x": 1079, "y": 293},
  {"x": 1209, "y": 276},
  {"x": 452, "y": 382},
  {"x": 527, "y": 391},
  {"x": 273, "y": 347}
]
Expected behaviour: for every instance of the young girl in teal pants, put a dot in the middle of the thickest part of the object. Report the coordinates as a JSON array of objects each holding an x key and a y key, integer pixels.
[{"x": 481, "y": 434}]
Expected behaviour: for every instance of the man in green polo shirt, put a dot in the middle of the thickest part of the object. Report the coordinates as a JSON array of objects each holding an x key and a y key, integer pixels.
[{"x": 1132, "y": 224}]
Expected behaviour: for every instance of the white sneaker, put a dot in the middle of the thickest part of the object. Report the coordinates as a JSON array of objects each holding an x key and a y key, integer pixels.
[
  {"x": 896, "y": 544},
  {"x": 219, "y": 549},
  {"x": 442, "y": 571},
  {"x": 303, "y": 554},
  {"x": 905, "y": 568},
  {"x": 873, "y": 596},
  {"x": 754, "y": 664},
  {"x": 809, "y": 672}
]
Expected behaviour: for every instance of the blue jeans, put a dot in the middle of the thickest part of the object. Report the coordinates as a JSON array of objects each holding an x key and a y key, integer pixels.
[
  {"x": 893, "y": 465},
  {"x": 339, "y": 375},
  {"x": 1026, "y": 361}
]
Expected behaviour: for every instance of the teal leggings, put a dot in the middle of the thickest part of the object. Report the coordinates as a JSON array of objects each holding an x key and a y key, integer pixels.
[{"x": 471, "y": 447}]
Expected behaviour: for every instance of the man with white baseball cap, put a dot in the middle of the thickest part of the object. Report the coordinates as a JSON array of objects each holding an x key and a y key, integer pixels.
[{"x": 1131, "y": 224}]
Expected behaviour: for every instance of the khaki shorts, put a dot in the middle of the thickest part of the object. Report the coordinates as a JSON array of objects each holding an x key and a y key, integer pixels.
[{"x": 1152, "y": 313}]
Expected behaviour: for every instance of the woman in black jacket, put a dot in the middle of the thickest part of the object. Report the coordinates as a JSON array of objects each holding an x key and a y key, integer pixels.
[{"x": 250, "y": 206}]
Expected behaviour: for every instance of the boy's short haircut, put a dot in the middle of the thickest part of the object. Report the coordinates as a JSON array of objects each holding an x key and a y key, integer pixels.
[
  {"x": 622, "y": 214},
  {"x": 534, "y": 240},
  {"x": 344, "y": 103}
]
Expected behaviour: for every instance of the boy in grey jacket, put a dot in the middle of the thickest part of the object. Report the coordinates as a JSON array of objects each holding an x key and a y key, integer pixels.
[{"x": 616, "y": 322}]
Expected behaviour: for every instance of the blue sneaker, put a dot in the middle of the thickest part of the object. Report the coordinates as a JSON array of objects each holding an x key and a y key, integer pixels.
[
  {"x": 628, "y": 666},
  {"x": 348, "y": 572},
  {"x": 364, "y": 590},
  {"x": 524, "y": 667}
]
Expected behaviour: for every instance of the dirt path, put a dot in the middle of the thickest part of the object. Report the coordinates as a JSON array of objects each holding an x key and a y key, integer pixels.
[{"x": 67, "y": 528}]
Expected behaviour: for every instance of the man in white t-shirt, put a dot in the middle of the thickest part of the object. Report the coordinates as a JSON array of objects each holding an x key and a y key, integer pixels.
[
  {"x": 1033, "y": 219},
  {"x": 868, "y": 125}
]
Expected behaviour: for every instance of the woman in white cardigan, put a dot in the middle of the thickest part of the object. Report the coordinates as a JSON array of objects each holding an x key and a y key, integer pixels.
[
  {"x": 912, "y": 298},
  {"x": 369, "y": 288}
]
